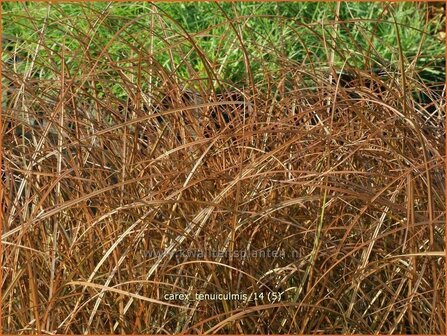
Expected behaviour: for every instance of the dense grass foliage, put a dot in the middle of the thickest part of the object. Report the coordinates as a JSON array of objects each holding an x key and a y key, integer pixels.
[{"x": 148, "y": 147}]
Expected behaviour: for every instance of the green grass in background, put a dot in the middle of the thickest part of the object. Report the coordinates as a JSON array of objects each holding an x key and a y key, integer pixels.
[{"x": 197, "y": 31}]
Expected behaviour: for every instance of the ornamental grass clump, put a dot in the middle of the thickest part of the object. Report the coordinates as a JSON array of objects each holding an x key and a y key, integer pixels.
[{"x": 272, "y": 168}]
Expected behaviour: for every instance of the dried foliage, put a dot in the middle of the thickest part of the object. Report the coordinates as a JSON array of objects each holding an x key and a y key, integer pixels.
[{"x": 120, "y": 166}]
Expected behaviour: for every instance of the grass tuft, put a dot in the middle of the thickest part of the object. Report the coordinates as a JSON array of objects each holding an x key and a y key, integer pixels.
[{"x": 291, "y": 153}]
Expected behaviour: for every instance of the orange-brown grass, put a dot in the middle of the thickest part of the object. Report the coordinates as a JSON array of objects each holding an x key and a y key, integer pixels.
[{"x": 345, "y": 179}]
